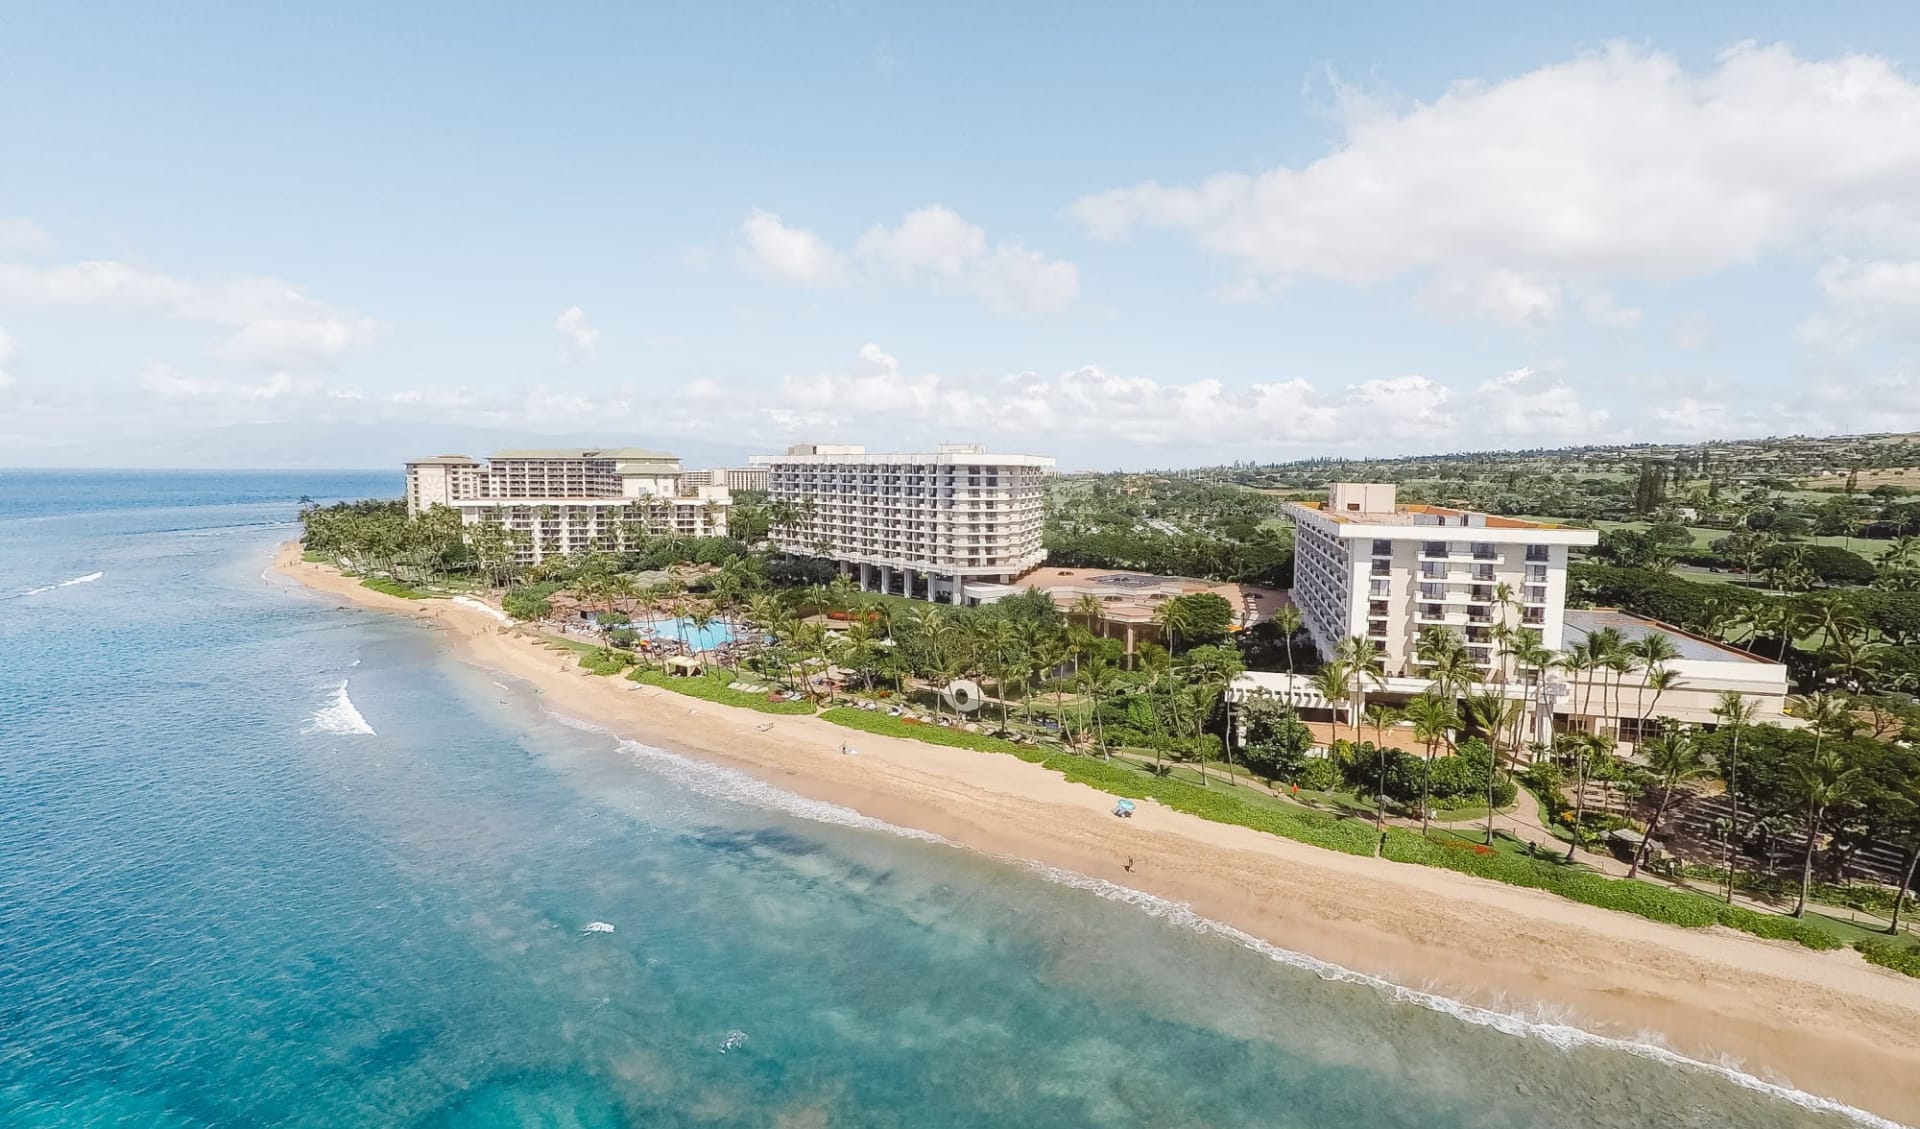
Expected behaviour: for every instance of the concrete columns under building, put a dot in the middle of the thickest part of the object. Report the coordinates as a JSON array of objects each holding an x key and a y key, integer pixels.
[
  {"x": 959, "y": 590},
  {"x": 886, "y": 579}
]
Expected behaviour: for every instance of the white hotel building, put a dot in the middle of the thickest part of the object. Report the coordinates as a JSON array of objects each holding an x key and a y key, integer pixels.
[
  {"x": 570, "y": 500},
  {"x": 957, "y": 524},
  {"x": 1367, "y": 566},
  {"x": 1364, "y": 565}
]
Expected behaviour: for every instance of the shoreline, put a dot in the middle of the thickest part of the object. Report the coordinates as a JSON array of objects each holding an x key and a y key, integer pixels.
[{"x": 1826, "y": 1023}]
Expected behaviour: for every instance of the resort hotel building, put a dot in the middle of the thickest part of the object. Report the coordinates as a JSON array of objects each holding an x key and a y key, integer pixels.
[
  {"x": 1367, "y": 566},
  {"x": 570, "y": 500},
  {"x": 1364, "y": 565},
  {"x": 956, "y": 524}
]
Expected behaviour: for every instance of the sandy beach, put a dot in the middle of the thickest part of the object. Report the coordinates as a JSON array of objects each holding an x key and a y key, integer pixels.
[{"x": 1826, "y": 1023}]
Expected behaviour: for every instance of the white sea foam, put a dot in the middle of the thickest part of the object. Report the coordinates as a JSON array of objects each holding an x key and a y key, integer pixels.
[
  {"x": 483, "y": 608},
  {"x": 724, "y": 783},
  {"x": 89, "y": 578},
  {"x": 1562, "y": 1035},
  {"x": 597, "y": 927},
  {"x": 731, "y": 784},
  {"x": 339, "y": 716}
]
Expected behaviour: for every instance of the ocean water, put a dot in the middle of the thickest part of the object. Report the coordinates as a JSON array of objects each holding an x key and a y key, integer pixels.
[{"x": 268, "y": 861}]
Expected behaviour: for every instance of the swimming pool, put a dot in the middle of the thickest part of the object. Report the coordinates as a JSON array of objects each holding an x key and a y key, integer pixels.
[{"x": 716, "y": 633}]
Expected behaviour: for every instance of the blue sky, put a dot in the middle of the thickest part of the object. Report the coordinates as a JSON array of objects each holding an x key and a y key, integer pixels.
[{"x": 1122, "y": 234}]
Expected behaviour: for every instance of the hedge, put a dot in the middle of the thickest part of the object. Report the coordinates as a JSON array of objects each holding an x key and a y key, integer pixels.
[
  {"x": 529, "y": 601},
  {"x": 713, "y": 690},
  {"x": 604, "y": 663},
  {"x": 886, "y": 725},
  {"x": 391, "y": 587},
  {"x": 1886, "y": 954},
  {"x": 1656, "y": 903}
]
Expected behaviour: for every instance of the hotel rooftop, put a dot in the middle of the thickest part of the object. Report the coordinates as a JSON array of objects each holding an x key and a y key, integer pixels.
[{"x": 1416, "y": 514}]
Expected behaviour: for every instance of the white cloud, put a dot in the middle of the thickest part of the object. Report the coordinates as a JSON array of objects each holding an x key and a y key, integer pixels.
[
  {"x": 875, "y": 395},
  {"x": 273, "y": 323},
  {"x": 1600, "y": 308},
  {"x": 1615, "y": 165},
  {"x": 8, "y": 350},
  {"x": 20, "y": 234},
  {"x": 1693, "y": 418},
  {"x": 1501, "y": 296},
  {"x": 935, "y": 244},
  {"x": 583, "y": 340},
  {"x": 932, "y": 246},
  {"x": 1865, "y": 300},
  {"x": 1693, "y": 331},
  {"x": 166, "y": 381},
  {"x": 790, "y": 254},
  {"x": 1885, "y": 400}
]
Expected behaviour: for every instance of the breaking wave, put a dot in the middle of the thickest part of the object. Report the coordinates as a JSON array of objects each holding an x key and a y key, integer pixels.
[
  {"x": 339, "y": 716},
  {"x": 67, "y": 583}
]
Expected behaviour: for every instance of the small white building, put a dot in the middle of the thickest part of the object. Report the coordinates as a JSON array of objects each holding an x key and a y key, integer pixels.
[{"x": 1609, "y": 703}]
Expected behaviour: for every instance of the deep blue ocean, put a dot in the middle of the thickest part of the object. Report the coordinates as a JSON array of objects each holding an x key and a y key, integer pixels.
[{"x": 267, "y": 861}]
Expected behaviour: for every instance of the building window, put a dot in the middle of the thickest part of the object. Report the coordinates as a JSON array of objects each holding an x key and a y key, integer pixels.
[
  {"x": 1434, "y": 549},
  {"x": 1538, "y": 553},
  {"x": 1383, "y": 548}
]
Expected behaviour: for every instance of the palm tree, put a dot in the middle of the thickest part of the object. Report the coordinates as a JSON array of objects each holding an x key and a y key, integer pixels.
[
  {"x": 1357, "y": 655},
  {"x": 1091, "y": 610},
  {"x": 1652, "y": 652},
  {"x": 1825, "y": 779},
  {"x": 1433, "y": 718},
  {"x": 1736, "y": 713},
  {"x": 1535, "y": 658},
  {"x": 1493, "y": 712},
  {"x": 1103, "y": 678},
  {"x": 1173, "y": 618},
  {"x": 1586, "y": 747},
  {"x": 1330, "y": 681},
  {"x": 1659, "y": 680},
  {"x": 1674, "y": 760},
  {"x": 1287, "y": 620}
]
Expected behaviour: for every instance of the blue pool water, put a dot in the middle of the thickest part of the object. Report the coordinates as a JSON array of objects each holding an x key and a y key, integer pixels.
[
  {"x": 714, "y": 634},
  {"x": 267, "y": 861}
]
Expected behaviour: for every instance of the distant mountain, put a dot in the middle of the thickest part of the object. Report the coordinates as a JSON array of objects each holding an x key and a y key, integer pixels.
[{"x": 352, "y": 446}]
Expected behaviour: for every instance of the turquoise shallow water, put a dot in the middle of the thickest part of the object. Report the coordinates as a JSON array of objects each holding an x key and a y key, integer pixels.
[{"x": 267, "y": 861}]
